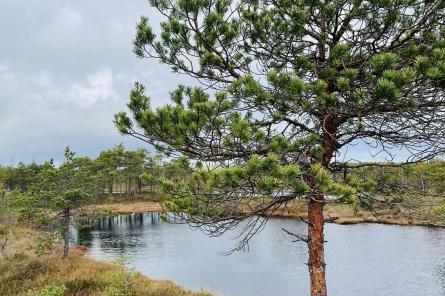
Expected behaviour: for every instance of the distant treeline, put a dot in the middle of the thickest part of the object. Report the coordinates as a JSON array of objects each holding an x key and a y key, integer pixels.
[
  {"x": 132, "y": 173},
  {"x": 427, "y": 177},
  {"x": 119, "y": 171}
]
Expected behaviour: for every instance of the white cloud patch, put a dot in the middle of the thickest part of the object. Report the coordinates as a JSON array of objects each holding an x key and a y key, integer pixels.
[
  {"x": 98, "y": 87},
  {"x": 43, "y": 79},
  {"x": 6, "y": 75},
  {"x": 42, "y": 112},
  {"x": 68, "y": 18}
]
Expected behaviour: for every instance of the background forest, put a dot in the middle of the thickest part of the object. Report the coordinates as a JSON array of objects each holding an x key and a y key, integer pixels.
[{"x": 120, "y": 174}]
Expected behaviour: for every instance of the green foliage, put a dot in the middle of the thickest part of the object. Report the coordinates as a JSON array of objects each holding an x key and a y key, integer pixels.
[
  {"x": 393, "y": 180},
  {"x": 44, "y": 245},
  {"x": 19, "y": 177},
  {"x": 267, "y": 172},
  {"x": 61, "y": 190},
  {"x": 439, "y": 213},
  {"x": 384, "y": 61},
  {"x": 106, "y": 213},
  {"x": 386, "y": 89},
  {"x": 122, "y": 280},
  {"x": 8, "y": 214},
  {"x": 24, "y": 206},
  {"x": 68, "y": 186},
  {"x": 359, "y": 185},
  {"x": 204, "y": 293},
  {"x": 324, "y": 182},
  {"x": 52, "y": 290},
  {"x": 149, "y": 179}
]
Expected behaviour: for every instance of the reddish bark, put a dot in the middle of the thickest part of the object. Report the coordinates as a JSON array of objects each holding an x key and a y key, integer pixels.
[{"x": 317, "y": 266}]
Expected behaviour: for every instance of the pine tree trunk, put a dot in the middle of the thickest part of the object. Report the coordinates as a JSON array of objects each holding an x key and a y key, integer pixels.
[
  {"x": 66, "y": 224},
  {"x": 139, "y": 186},
  {"x": 110, "y": 189},
  {"x": 317, "y": 266},
  {"x": 130, "y": 187}
]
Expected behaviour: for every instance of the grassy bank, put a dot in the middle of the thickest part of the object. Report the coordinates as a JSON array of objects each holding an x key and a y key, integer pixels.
[
  {"x": 22, "y": 272},
  {"x": 127, "y": 207},
  {"x": 345, "y": 214}
]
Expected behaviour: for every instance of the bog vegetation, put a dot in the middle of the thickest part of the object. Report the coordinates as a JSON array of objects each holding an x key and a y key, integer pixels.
[
  {"x": 22, "y": 273},
  {"x": 52, "y": 197},
  {"x": 38, "y": 202},
  {"x": 49, "y": 198}
]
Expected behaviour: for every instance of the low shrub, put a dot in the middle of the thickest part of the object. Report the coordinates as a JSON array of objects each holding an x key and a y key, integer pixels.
[
  {"x": 122, "y": 280},
  {"x": 52, "y": 290},
  {"x": 45, "y": 244},
  {"x": 84, "y": 286}
]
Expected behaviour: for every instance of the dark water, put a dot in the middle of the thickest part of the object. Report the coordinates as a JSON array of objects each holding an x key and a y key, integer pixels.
[{"x": 364, "y": 259}]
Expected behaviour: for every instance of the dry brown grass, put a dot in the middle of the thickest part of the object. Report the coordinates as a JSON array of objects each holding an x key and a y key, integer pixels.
[
  {"x": 80, "y": 275},
  {"x": 20, "y": 240},
  {"x": 298, "y": 209},
  {"x": 21, "y": 271},
  {"x": 131, "y": 207},
  {"x": 345, "y": 214}
]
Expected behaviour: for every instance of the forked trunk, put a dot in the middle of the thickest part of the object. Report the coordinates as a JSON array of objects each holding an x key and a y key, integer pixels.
[{"x": 317, "y": 266}]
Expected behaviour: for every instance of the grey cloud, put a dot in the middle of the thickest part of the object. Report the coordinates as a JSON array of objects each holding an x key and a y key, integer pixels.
[{"x": 66, "y": 68}]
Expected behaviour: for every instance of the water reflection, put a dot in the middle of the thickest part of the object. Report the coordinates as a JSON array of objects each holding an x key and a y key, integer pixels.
[{"x": 366, "y": 259}]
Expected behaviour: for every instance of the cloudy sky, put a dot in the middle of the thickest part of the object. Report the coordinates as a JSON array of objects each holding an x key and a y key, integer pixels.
[{"x": 66, "y": 67}]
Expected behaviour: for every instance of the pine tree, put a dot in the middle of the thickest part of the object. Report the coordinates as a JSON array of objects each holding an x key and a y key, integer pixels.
[
  {"x": 59, "y": 193},
  {"x": 289, "y": 85}
]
